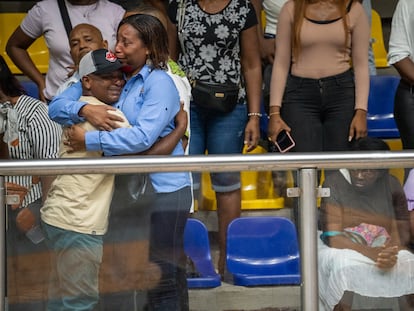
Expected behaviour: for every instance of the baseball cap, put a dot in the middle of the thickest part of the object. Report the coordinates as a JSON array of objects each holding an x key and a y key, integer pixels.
[{"x": 97, "y": 62}]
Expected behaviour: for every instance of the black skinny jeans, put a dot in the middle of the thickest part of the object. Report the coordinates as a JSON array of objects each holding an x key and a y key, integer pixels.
[
  {"x": 404, "y": 113},
  {"x": 319, "y": 111},
  {"x": 404, "y": 116}
]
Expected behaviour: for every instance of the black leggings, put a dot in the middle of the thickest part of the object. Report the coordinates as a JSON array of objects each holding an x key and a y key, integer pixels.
[
  {"x": 404, "y": 116},
  {"x": 404, "y": 113}
]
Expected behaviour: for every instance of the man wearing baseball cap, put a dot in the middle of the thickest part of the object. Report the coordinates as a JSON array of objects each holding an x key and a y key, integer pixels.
[{"x": 75, "y": 213}]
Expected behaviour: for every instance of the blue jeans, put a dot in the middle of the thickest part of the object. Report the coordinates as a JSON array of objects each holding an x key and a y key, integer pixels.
[
  {"x": 169, "y": 213},
  {"x": 218, "y": 134},
  {"x": 319, "y": 111},
  {"x": 75, "y": 267}
]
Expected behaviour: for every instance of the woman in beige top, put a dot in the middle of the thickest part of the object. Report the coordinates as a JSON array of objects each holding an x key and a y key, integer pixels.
[{"x": 320, "y": 79}]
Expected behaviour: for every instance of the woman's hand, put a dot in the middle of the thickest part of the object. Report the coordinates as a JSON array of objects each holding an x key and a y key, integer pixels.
[
  {"x": 387, "y": 257},
  {"x": 252, "y": 133},
  {"x": 276, "y": 125},
  {"x": 358, "y": 126},
  {"x": 181, "y": 123},
  {"x": 75, "y": 138},
  {"x": 99, "y": 117},
  {"x": 181, "y": 119}
]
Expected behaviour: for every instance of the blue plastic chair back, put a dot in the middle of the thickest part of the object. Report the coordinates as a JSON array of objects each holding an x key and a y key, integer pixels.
[
  {"x": 263, "y": 251},
  {"x": 31, "y": 88},
  {"x": 197, "y": 247},
  {"x": 380, "y": 117}
]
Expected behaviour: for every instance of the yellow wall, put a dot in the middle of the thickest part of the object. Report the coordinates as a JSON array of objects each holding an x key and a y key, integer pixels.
[{"x": 38, "y": 50}]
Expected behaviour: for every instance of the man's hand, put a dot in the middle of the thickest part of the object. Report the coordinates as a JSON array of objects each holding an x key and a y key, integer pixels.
[
  {"x": 75, "y": 138},
  {"x": 98, "y": 116}
]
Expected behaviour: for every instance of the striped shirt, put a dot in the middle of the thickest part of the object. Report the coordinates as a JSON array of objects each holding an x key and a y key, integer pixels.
[{"x": 39, "y": 138}]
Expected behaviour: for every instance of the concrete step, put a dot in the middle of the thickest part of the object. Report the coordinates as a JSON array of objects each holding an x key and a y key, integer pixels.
[{"x": 230, "y": 297}]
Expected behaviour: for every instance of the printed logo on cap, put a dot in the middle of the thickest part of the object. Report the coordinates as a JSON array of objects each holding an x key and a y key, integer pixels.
[{"x": 110, "y": 57}]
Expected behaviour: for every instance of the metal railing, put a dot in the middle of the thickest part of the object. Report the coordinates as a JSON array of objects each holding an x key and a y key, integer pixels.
[{"x": 307, "y": 165}]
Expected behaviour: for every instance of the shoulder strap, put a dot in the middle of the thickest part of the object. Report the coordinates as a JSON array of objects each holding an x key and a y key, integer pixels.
[
  {"x": 348, "y": 8},
  {"x": 65, "y": 16},
  {"x": 180, "y": 23}
]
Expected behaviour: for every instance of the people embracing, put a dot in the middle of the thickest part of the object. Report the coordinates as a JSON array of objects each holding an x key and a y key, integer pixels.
[
  {"x": 142, "y": 48},
  {"x": 216, "y": 44},
  {"x": 75, "y": 212}
]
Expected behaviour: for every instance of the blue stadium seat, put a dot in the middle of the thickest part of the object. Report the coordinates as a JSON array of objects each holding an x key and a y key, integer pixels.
[
  {"x": 263, "y": 251},
  {"x": 197, "y": 247},
  {"x": 31, "y": 88},
  {"x": 380, "y": 117}
]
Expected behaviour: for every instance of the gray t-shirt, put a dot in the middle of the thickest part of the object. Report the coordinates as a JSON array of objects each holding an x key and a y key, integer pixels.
[{"x": 44, "y": 19}]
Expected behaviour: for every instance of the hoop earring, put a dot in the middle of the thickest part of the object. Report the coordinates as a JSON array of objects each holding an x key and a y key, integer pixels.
[{"x": 148, "y": 62}]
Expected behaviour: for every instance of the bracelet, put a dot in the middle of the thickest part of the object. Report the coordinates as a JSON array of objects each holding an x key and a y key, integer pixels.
[
  {"x": 274, "y": 113},
  {"x": 254, "y": 114}
]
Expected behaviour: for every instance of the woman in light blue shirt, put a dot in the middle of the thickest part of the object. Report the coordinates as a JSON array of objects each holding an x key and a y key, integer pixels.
[{"x": 150, "y": 101}]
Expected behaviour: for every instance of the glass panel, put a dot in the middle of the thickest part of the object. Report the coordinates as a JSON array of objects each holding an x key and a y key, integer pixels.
[
  {"x": 140, "y": 262},
  {"x": 364, "y": 241},
  {"x": 152, "y": 254}
]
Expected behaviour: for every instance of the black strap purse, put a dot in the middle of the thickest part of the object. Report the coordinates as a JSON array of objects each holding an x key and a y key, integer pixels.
[{"x": 220, "y": 98}]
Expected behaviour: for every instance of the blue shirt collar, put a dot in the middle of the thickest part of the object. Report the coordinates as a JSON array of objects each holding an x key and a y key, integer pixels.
[{"x": 144, "y": 72}]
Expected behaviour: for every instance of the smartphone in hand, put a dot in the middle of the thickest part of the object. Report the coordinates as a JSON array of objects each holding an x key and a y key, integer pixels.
[{"x": 284, "y": 142}]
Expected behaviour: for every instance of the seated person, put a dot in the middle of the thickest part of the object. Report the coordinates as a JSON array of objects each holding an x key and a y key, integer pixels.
[{"x": 366, "y": 230}]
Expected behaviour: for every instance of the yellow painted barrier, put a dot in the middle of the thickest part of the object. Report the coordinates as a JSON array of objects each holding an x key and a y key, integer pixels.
[
  {"x": 256, "y": 189},
  {"x": 378, "y": 46},
  {"x": 38, "y": 51}
]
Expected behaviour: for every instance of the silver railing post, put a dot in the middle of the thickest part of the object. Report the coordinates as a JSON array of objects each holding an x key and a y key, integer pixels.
[
  {"x": 308, "y": 243},
  {"x": 3, "y": 245}
]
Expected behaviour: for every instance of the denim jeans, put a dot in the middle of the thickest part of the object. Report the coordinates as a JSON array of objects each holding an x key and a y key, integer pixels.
[
  {"x": 319, "y": 111},
  {"x": 169, "y": 214},
  {"x": 218, "y": 134},
  {"x": 75, "y": 266}
]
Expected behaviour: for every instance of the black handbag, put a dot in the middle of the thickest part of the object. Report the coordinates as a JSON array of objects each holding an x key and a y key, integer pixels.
[
  {"x": 221, "y": 98},
  {"x": 130, "y": 190}
]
